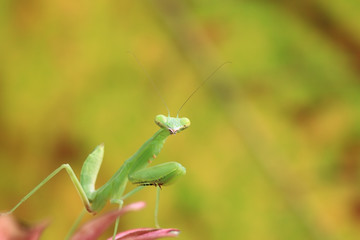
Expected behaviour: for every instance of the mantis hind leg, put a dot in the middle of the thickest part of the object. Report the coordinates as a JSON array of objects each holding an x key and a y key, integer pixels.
[
  {"x": 120, "y": 202},
  {"x": 73, "y": 178},
  {"x": 85, "y": 186}
]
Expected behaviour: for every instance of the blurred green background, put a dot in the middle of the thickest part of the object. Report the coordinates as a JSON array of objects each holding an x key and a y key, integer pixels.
[{"x": 274, "y": 147}]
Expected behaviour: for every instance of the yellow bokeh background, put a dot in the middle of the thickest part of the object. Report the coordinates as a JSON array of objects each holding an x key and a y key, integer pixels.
[{"x": 274, "y": 147}]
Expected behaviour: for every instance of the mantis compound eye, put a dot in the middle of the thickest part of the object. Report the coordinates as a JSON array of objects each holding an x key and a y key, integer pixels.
[
  {"x": 185, "y": 122},
  {"x": 161, "y": 120}
]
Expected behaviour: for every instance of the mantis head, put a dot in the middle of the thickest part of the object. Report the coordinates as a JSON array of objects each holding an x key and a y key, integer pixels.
[{"x": 174, "y": 125}]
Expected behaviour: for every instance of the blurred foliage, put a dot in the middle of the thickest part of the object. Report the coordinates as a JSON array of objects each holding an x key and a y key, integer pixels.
[{"x": 274, "y": 147}]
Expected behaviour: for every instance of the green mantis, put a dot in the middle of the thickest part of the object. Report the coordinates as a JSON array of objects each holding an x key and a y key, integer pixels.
[{"x": 133, "y": 170}]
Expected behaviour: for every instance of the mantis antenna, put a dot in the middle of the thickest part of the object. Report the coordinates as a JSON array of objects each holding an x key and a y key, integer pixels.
[
  {"x": 151, "y": 80},
  {"x": 202, "y": 84}
]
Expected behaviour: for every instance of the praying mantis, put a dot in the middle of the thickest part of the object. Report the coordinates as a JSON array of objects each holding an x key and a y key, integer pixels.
[{"x": 133, "y": 170}]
